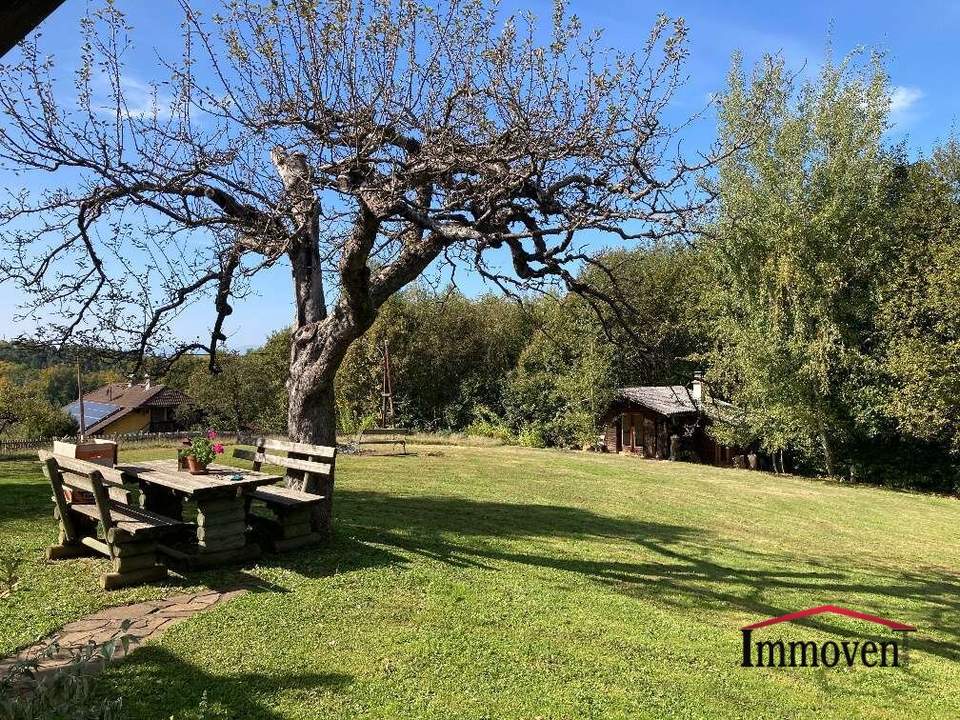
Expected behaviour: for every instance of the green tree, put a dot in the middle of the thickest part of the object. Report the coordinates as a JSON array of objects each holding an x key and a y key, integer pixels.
[
  {"x": 563, "y": 378},
  {"x": 798, "y": 247},
  {"x": 920, "y": 314},
  {"x": 582, "y": 351},
  {"x": 449, "y": 356},
  {"x": 58, "y": 383},
  {"x": 249, "y": 394},
  {"x": 26, "y": 413}
]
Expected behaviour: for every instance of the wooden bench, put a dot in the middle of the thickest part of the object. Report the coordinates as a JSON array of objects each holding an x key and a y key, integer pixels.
[
  {"x": 384, "y": 436},
  {"x": 128, "y": 534},
  {"x": 303, "y": 506}
]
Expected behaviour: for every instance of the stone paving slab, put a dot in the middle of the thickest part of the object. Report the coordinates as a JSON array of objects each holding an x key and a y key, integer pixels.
[{"x": 147, "y": 620}]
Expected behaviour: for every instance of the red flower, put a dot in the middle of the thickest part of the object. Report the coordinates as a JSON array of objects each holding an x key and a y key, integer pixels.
[
  {"x": 218, "y": 449},
  {"x": 211, "y": 433}
]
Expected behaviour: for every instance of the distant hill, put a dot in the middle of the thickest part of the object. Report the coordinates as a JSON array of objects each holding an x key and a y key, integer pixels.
[{"x": 37, "y": 357}]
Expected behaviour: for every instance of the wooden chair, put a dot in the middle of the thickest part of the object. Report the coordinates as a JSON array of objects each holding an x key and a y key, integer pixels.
[
  {"x": 384, "y": 436},
  {"x": 303, "y": 506},
  {"x": 128, "y": 534}
]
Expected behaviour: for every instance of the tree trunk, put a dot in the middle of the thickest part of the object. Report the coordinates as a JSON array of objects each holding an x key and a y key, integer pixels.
[
  {"x": 318, "y": 345},
  {"x": 312, "y": 417},
  {"x": 317, "y": 349},
  {"x": 827, "y": 453}
]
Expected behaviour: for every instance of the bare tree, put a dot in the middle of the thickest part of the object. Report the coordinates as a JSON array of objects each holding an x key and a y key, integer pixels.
[{"x": 361, "y": 142}]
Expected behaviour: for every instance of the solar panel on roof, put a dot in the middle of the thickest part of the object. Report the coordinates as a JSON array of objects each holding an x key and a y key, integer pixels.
[{"x": 93, "y": 412}]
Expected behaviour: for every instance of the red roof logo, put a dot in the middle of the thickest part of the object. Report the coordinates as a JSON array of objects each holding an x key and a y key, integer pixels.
[{"x": 835, "y": 610}]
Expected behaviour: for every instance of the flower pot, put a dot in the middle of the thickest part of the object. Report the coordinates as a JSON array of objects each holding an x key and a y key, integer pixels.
[{"x": 195, "y": 468}]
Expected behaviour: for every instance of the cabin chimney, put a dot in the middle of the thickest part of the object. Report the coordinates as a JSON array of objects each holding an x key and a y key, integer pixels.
[
  {"x": 696, "y": 389},
  {"x": 146, "y": 381}
]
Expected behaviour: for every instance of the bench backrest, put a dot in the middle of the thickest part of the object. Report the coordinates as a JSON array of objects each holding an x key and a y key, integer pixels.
[
  {"x": 72, "y": 467},
  {"x": 400, "y": 432},
  {"x": 305, "y": 464},
  {"x": 101, "y": 482}
]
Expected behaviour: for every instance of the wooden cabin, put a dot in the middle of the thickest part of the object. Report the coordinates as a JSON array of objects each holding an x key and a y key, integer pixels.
[{"x": 666, "y": 422}]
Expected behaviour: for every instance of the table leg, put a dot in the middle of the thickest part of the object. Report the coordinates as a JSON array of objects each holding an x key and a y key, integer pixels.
[
  {"x": 221, "y": 523},
  {"x": 162, "y": 501}
]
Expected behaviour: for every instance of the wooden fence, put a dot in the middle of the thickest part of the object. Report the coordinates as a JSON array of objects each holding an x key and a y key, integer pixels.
[
  {"x": 25, "y": 447},
  {"x": 29, "y": 446}
]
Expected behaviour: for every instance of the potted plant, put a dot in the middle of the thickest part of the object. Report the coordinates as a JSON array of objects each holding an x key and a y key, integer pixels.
[{"x": 201, "y": 452}]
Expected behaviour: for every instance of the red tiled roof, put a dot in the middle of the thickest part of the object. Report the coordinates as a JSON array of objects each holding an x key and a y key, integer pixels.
[{"x": 134, "y": 396}]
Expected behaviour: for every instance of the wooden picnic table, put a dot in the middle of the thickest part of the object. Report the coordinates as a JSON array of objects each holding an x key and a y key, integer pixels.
[{"x": 221, "y": 506}]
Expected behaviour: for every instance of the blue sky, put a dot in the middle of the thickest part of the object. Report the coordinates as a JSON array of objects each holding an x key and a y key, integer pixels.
[{"x": 919, "y": 39}]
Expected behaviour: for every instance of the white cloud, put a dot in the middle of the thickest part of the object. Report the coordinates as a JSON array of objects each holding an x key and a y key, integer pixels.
[
  {"x": 141, "y": 100},
  {"x": 903, "y": 98},
  {"x": 903, "y": 107}
]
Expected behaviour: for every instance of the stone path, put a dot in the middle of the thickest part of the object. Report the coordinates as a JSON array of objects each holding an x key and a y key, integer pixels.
[{"x": 147, "y": 620}]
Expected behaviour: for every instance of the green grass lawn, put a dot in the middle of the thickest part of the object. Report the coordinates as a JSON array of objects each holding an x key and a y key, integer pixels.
[{"x": 511, "y": 583}]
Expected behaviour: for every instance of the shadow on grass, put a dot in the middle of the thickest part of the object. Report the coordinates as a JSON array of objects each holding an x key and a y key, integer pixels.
[
  {"x": 343, "y": 554},
  {"x": 688, "y": 568},
  {"x": 685, "y": 571},
  {"x": 359, "y": 544},
  {"x": 25, "y": 500},
  {"x": 427, "y": 515},
  {"x": 168, "y": 687}
]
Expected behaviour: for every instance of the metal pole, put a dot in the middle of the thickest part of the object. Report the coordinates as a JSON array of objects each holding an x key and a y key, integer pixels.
[{"x": 83, "y": 423}]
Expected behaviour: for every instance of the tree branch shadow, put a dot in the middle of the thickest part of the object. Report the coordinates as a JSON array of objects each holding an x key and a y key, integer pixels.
[
  {"x": 154, "y": 682},
  {"x": 686, "y": 571}
]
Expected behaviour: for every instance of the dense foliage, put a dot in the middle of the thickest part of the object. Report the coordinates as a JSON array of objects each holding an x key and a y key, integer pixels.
[
  {"x": 581, "y": 352},
  {"x": 247, "y": 394},
  {"x": 920, "y": 314},
  {"x": 449, "y": 357},
  {"x": 29, "y": 406},
  {"x": 796, "y": 248},
  {"x": 833, "y": 296}
]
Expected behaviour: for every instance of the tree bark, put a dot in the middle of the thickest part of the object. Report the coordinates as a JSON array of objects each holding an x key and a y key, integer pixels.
[
  {"x": 317, "y": 349},
  {"x": 312, "y": 417},
  {"x": 827, "y": 453}
]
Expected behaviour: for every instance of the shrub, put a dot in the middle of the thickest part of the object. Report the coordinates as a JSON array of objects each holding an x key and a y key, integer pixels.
[
  {"x": 65, "y": 693},
  {"x": 487, "y": 424},
  {"x": 533, "y": 435}
]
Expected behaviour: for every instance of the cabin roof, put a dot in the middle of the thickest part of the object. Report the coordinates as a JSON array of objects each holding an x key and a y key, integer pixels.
[
  {"x": 670, "y": 400},
  {"x": 664, "y": 399}
]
